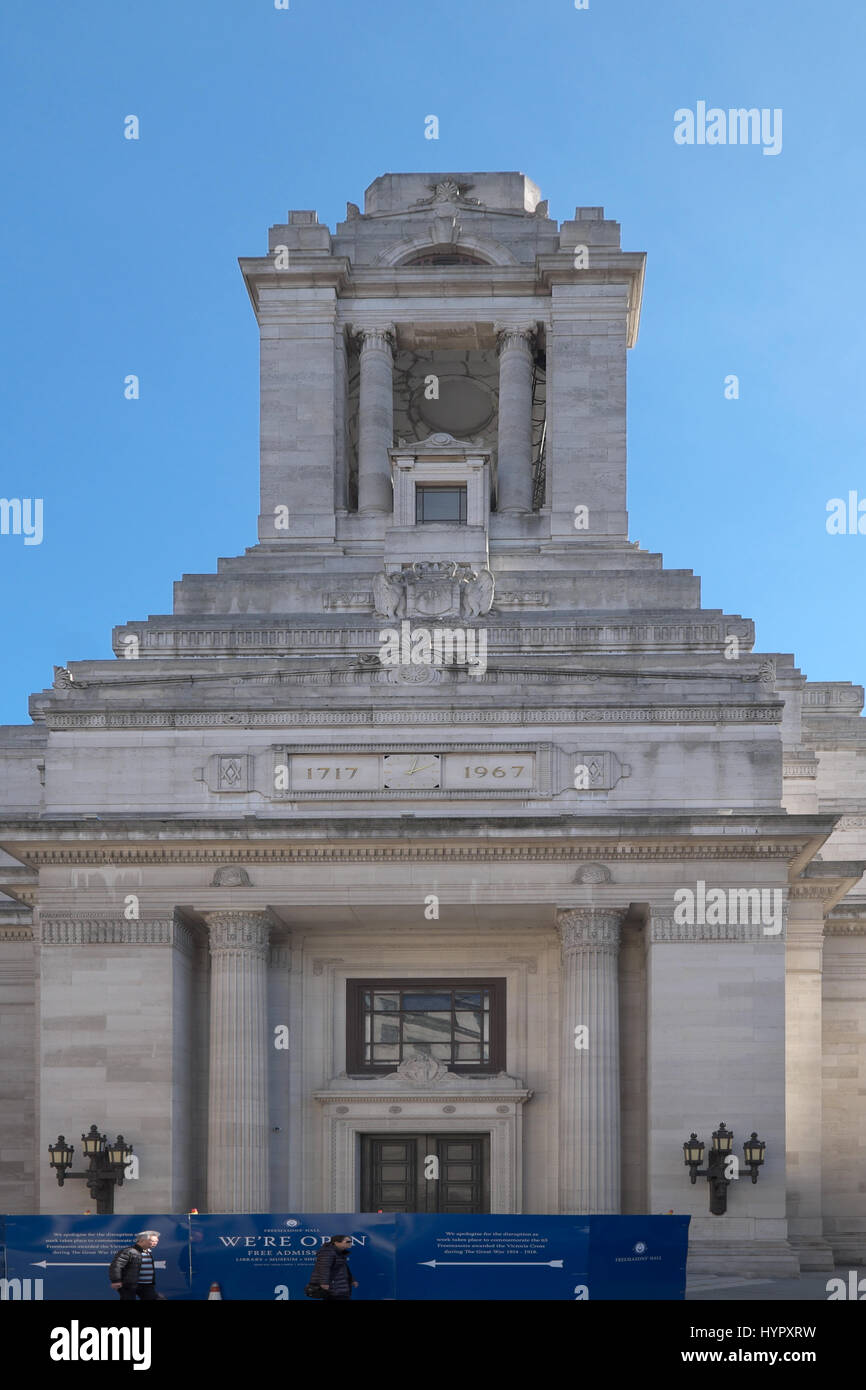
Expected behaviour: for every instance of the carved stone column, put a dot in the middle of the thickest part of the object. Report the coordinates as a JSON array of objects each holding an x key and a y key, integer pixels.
[
  {"x": 514, "y": 465},
  {"x": 589, "y": 1135},
  {"x": 376, "y": 420},
  {"x": 238, "y": 1086}
]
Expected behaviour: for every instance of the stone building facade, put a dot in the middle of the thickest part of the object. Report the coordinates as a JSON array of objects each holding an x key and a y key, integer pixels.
[{"x": 380, "y": 848}]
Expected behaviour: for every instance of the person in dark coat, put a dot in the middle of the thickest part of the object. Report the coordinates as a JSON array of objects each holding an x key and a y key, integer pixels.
[
  {"x": 133, "y": 1272},
  {"x": 332, "y": 1272}
]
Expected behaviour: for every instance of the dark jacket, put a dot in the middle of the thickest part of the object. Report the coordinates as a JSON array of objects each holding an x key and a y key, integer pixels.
[
  {"x": 124, "y": 1268},
  {"x": 332, "y": 1268}
]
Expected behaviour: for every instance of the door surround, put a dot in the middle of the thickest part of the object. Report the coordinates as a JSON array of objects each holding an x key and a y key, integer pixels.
[{"x": 348, "y": 1115}]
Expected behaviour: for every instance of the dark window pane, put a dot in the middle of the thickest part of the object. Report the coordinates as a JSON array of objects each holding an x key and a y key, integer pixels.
[
  {"x": 388, "y": 1002},
  {"x": 385, "y": 1029},
  {"x": 446, "y": 258},
  {"x": 427, "y": 1001},
  {"x": 468, "y": 1025},
  {"x": 464, "y": 999},
  {"x": 426, "y": 1027},
  {"x": 440, "y": 504}
]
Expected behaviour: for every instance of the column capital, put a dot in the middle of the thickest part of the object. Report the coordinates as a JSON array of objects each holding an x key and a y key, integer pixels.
[
  {"x": 246, "y": 932},
  {"x": 381, "y": 336},
  {"x": 515, "y": 335},
  {"x": 589, "y": 929}
]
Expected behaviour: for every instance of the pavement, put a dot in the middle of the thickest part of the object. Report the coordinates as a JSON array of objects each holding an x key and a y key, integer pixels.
[{"x": 710, "y": 1288}]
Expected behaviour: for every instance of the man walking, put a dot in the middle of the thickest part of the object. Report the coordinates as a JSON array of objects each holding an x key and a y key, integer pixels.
[
  {"x": 332, "y": 1272},
  {"x": 132, "y": 1271}
]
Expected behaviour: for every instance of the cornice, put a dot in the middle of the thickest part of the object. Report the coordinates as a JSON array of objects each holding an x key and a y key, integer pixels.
[
  {"x": 485, "y": 853},
  {"x": 506, "y": 637},
  {"x": 464, "y": 1097},
  {"x": 765, "y": 713},
  {"x": 847, "y": 919},
  {"x": 18, "y": 932}
]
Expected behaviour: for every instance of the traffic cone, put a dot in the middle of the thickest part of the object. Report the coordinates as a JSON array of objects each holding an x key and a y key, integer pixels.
[{"x": 214, "y": 1292}]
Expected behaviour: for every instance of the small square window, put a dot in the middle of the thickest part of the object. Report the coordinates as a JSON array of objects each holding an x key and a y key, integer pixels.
[{"x": 440, "y": 502}]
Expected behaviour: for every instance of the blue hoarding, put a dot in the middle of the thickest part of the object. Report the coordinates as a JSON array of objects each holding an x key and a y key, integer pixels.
[
  {"x": 272, "y": 1256},
  {"x": 638, "y": 1257},
  {"x": 502, "y": 1257},
  {"x": 67, "y": 1257}
]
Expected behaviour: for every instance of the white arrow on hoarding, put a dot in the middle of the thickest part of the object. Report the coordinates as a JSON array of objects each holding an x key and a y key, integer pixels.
[
  {"x": 548, "y": 1264},
  {"x": 81, "y": 1264}
]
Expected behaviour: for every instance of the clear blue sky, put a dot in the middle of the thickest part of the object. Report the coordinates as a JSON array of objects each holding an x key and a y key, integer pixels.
[{"x": 121, "y": 257}]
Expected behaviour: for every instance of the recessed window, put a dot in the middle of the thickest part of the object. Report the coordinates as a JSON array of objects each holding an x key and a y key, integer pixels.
[
  {"x": 460, "y": 1023},
  {"x": 445, "y": 258},
  {"x": 435, "y": 502}
]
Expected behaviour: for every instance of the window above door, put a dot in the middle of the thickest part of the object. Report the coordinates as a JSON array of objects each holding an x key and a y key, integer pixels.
[{"x": 458, "y": 1022}]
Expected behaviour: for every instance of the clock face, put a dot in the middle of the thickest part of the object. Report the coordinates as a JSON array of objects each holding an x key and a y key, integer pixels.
[{"x": 411, "y": 770}]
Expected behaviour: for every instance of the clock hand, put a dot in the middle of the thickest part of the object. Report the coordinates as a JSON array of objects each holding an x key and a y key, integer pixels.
[{"x": 426, "y": 767}]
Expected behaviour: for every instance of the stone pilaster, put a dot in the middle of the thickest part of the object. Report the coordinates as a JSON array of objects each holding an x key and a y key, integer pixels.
[
  {"x": 238, "y": 1087},
  {"x": 589, "y": 1135},
  {"x": 376, "y": 420},
  {"x": 804, "y": 1120},
  {"x": 514, "y": 459}
]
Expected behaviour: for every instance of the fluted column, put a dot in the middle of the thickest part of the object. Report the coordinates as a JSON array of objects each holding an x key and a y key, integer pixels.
[
  {"x": 238, "y": 1085},
  {"x": 514, "y": 454},
  {"x": 376, "y": 420},
  {"x": 589, "y": 1085}
]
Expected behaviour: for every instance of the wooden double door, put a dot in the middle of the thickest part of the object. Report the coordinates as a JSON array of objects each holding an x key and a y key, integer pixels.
[{"x": 425, "y": 1172}]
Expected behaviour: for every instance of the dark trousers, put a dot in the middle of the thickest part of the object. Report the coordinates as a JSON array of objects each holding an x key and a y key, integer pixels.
[
  {"x": 146, "y": 1292},
  {"x": 337, "y": 1297}
]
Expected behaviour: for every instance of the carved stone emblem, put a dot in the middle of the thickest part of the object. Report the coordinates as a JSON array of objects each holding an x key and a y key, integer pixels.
[
  {"x": 593, "y": 873},
  {"x": 422, "y": 1070},
  {"x": 448, "y": 191},
  {"x": 62, "y": 678},
  {"x": 434, "y": 589},
  {"x": 231, "y": 876},
  {"x": 412, "y": 675},
  {"x": 767, "y": 674}
]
